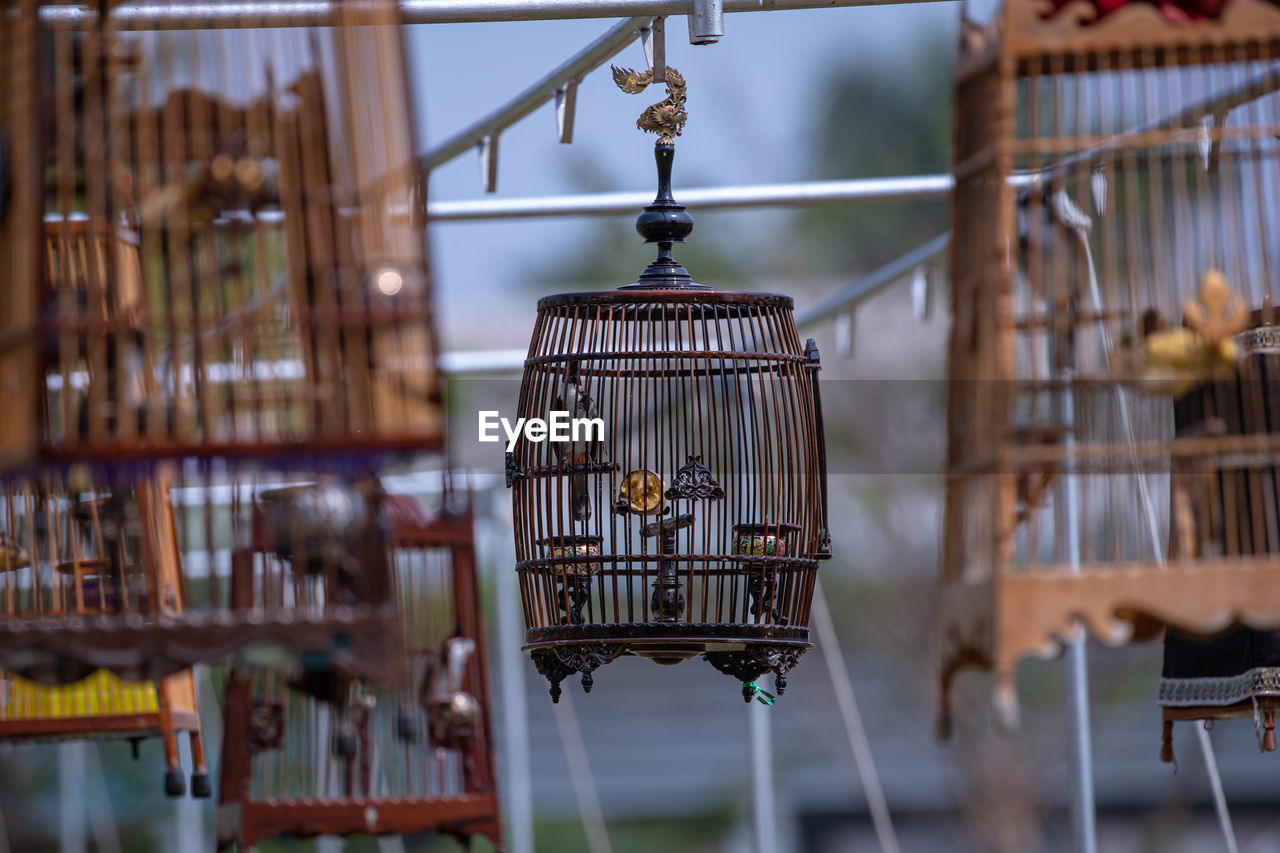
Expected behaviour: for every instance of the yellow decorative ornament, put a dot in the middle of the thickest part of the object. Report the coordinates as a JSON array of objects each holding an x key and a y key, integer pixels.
[
  {"x": 1171, "y": 361},
  {"x": 641, "y": 493}
]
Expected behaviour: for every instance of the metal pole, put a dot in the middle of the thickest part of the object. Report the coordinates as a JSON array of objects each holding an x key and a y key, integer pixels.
[
  {"x": 538, "y": 93},
  {"x": 608, "y": 45},
  {"x": 321, "y": 13},
  {"x": 188, "y": 816},
  {"x": 584, "y": 784},
  {"x": 1219, "y": 796},
  {"x": 517, "y": 789},
  {"x": 1084, "y": 833},
  {"x": 804, "y": 194},
  {"x": 102, "y": 822},
  {"x": 873, "y": 282},
  {"x": 1157, "y": 548},
  {"x": 764, "y": 814},
  {"x": 4, "y": 835},
  {"x": 824, "y": 627},
  {"x": 706, "y": 21}
]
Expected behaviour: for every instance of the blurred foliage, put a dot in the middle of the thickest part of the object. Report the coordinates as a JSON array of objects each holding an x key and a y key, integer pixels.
[{"x": 881, "y": 119}]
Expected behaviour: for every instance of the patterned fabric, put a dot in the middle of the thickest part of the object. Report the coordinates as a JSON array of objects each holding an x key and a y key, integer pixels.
[
  {"x": 1241, "y": 662},
  {"x": 1225, "y": 690},
  {"x": 1261, "y": 339}
]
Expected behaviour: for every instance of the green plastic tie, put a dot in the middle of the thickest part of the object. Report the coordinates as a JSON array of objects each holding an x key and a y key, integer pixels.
[{"x": 764, "y": 697}]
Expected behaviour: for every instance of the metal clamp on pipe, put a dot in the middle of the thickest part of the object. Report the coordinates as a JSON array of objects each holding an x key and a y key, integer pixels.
[{"x": 706, "y": 21}]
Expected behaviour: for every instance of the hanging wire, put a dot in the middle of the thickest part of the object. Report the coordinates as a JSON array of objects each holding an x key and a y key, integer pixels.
[
  {"x": 584, "y": 783},
  {"x": 1219, "y": 796},
  {"x": 825, "y": 630},
  {"x": 1148, "y": 508}
]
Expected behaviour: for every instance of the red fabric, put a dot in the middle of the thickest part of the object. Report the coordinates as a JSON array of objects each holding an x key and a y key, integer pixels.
[{"x": 1178, "y": 11}]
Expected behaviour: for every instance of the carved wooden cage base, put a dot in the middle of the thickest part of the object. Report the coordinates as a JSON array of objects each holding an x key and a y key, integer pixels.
[
  {"x": 745, "y": 662},
  {"x": 995, "y": 624}
]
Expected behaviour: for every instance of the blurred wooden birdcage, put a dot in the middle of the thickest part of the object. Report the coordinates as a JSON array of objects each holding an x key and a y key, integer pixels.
[
  {"x": 216, "y": 279},
  {"x": 103, "y": 706},
  {"x": 77, "y": 556},
  {"x": 1113, "y": 226},
  {"x": 689, "y": 518},
  {"x": 306, "y": 754}
]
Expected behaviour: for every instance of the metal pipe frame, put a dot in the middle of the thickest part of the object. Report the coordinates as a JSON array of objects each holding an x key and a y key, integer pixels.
[
  {"x": 213, "y": 14},
  {"x": 538, "y": 93},
  {"x": 491, "y": 362},
  {"x": 806, "y": 194},
  {"x": 872, "y": 283}
]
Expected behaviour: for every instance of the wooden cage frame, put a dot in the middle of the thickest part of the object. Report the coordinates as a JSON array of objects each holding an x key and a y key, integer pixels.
[
  {"x": 692, "y": 521},
  {"x": 244, "y": 820},
  {"x": 994, "y": 611},
  {"x": 102, "y": 707},
  {"x": 147, "y": 214}
]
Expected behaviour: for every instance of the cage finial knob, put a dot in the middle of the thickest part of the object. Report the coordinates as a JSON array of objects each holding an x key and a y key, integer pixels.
[{"x": 665, "y": 222}]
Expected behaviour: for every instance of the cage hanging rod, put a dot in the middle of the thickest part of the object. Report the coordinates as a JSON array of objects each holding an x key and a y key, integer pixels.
[
  {"x": 798, "y": 194},
  {"x": 212, "y": 14},
  {"x": 618, "y": 37},
  {"x": 812, "y": 193}
]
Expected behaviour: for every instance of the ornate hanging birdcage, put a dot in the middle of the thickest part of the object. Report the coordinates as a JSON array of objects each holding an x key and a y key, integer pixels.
[
  {"x": 305, "y": 754},
  {"x": 212, "y": 285},
  {"x": 1110, "y": 444},
  {"x": 684, "y": 513}
]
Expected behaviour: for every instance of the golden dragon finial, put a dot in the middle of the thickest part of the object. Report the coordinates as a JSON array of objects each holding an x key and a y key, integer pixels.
[{"x": 665, "y": 118}]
